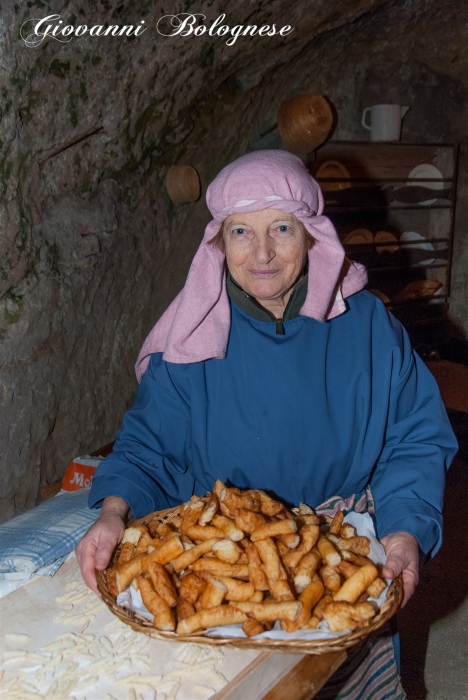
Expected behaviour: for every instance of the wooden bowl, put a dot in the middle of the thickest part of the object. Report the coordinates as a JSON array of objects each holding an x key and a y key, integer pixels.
[
  {"x": 183, "y": 184},
  {"x": 333, "y": 170},
  {"x": 304, "y": 122},
  {"x": 360, "y": 236},
  {"x": 386, "y": 237}
]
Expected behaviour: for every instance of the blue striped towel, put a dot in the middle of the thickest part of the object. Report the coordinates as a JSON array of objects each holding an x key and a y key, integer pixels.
[{"x": 45, "y": 535}]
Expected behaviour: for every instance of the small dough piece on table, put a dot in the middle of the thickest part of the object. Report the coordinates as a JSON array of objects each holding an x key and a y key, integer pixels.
[{"x": 17, "y": 637}]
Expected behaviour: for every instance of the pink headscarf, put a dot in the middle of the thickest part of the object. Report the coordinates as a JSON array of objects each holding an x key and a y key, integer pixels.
[{"x": 196, "y": 325}]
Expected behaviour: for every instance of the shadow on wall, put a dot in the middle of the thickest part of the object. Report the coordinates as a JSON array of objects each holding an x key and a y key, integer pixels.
[{"x": 442, "y": 589}]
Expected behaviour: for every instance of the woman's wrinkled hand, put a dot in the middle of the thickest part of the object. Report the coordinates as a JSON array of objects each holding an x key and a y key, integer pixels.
[
  {"x": 95, "y": 549},
  {"x": 402, "y": 558}
]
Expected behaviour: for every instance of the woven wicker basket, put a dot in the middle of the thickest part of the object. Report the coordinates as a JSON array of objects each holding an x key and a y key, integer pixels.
[{"x": 295, "y": 646}]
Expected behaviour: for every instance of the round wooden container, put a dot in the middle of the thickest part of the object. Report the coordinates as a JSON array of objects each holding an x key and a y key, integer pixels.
[
  {"x": 336, "y": 172},
  {"x": 304, "y": 122},
  {"x": 294, "y": 646},
  {"x": 183, "y": 184}
]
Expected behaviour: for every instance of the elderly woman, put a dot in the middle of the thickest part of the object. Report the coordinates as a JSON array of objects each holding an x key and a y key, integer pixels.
[{"x": 262, "y": 375}]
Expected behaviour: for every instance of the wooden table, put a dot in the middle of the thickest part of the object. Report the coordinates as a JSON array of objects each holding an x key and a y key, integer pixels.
[
  {"x": 269, "y": 676},
  {"x": 281, "y": 676},
  {"x": 245, "y": 675}
]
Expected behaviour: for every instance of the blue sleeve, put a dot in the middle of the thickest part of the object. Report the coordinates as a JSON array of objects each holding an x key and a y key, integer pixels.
[
  {"x": 408, "y": 481},
  {"x": 148, "y": 467}
]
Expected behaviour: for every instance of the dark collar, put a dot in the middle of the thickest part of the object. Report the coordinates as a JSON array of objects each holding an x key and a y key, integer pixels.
[{"x": 250, "y": 305}]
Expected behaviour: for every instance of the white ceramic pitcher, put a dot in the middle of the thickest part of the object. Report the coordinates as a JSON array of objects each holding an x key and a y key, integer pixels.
[{"x": 385, "y": 122}]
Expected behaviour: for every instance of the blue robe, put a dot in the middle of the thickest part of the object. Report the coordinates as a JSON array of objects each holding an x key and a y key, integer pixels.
[{"x": 323, "y": 410}]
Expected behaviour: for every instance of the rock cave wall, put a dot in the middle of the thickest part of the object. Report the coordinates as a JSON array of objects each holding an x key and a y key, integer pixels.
[{"x": 92, "y": 249}]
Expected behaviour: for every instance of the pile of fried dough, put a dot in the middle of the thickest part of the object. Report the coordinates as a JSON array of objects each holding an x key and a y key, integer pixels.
[{"x": 241, "y": 557}]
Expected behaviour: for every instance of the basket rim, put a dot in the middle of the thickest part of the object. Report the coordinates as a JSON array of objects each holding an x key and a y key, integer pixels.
[{"x": 298, "y": 646}]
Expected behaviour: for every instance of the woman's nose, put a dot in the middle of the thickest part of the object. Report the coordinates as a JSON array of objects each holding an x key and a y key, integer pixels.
[{"x": 264, "y": 250}]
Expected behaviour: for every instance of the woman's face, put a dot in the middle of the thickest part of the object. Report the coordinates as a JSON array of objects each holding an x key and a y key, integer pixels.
[{"x": 265, "y": 252}]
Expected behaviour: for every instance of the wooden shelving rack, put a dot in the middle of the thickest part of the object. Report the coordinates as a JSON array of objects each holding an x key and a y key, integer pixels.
[{"x": 366, "y": 199}]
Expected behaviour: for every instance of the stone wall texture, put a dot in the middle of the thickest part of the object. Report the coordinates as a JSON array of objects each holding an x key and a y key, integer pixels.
[{"x": 92, "y": 249}]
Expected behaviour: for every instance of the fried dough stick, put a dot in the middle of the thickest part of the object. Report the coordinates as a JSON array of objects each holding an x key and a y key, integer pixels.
[
  {"x": 212, "y": 617},
  {"x": 163, "y": 616},
  {"x": 309, "y": 597}
]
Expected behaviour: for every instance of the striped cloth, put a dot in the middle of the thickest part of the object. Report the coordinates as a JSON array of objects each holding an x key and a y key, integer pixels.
[
  {"x": 362, "y": 502},
  {"x": 370, "y": 672}
]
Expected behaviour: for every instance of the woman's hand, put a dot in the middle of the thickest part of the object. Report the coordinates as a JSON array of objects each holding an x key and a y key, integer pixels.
[
  {"x": 402, "y": 558},
  {"x": 95, "y": 549}
]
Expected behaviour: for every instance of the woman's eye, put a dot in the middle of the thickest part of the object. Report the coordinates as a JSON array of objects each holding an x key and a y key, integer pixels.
[
  {"x": 284, "y": 228},
  {"x": 239, "y": 230}
]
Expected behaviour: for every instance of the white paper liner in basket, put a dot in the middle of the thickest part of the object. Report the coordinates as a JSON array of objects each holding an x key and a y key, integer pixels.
[{"x": 130, "y": 598}]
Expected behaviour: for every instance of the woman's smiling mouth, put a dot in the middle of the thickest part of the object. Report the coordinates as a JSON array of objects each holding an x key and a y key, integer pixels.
[{"x": 263, "y": 273}]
